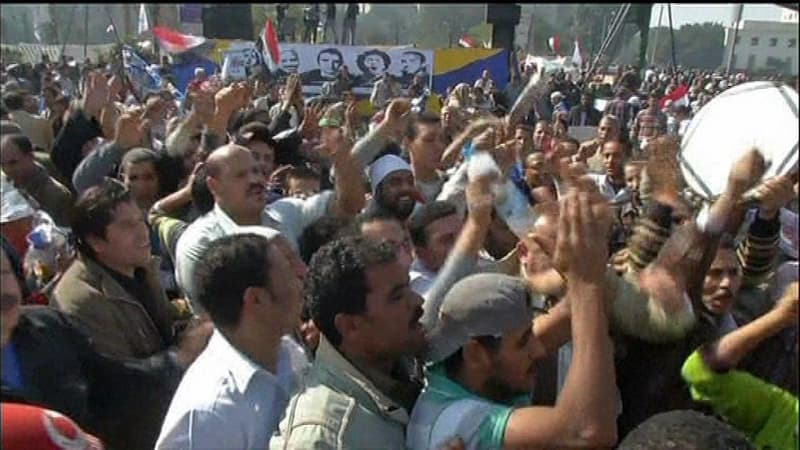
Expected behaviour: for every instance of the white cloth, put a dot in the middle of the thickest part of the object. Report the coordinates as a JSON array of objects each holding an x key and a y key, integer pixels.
[
  {"x": 604, "y": 184},
  {"x": 225, "y": 400},
  {"x": 420, "y": 277},
  {"x": 383, "y": 166}
]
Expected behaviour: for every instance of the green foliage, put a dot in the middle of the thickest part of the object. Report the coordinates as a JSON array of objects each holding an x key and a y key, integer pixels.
[{"x": 696, "y": 45}]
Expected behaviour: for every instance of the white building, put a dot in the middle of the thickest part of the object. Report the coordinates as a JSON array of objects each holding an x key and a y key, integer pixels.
[{"x": 765, "y": 45}]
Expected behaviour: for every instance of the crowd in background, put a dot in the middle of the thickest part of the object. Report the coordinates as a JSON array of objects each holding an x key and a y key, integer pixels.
[{"x": 247, "y": 267}]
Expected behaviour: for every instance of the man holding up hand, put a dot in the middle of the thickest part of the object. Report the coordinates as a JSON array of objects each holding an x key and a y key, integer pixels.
[{"x": 483, "y": 351}]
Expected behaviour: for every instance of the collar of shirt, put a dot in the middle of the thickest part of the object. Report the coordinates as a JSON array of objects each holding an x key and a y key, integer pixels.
[
  {"x": 441, "y": 384},
  {"x": 228, "y": 226},
  {"x": 242, "y": 368}
]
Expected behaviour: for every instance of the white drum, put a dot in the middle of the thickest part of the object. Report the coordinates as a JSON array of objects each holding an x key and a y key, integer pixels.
[{"x": 760, "y": 114}]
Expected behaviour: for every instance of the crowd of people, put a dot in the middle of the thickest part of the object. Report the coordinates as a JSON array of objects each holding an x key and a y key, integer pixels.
[{"x": 250, "y": 268}]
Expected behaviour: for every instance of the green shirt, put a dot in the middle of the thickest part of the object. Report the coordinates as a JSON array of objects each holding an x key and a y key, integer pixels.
[
  {"x": 441, "y": 392},
  {"x": 767, "y": 414}
]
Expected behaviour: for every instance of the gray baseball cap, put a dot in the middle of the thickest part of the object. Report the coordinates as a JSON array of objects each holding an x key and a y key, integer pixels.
[{"x": 487, "y": 304}]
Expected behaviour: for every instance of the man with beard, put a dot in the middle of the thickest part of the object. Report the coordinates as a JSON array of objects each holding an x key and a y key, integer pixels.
[
  {"x": 240, "y": 196},
  {"x": 393, "y": 187},
  {"x": 484, "y": 350},
  {"x": 358, "y": 392}
]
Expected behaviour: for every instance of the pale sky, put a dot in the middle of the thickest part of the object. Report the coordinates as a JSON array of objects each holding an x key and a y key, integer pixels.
[{"x": 685, "y": 13}]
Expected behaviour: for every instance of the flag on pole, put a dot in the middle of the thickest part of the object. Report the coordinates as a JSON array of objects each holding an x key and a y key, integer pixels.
[
  {"x": 270, "y": 47},
  {"x": 143, "y": 77},
  {"x": 576, "y": 55},
  {"x": 144, "y": 24},
  {"x": 679, "y": 96},
  {"x": 466, "y": 41},
  {"x": 41, "y": 21},
  {"x": 552, "y": 43},
  {"x": 173, "y": 42}
]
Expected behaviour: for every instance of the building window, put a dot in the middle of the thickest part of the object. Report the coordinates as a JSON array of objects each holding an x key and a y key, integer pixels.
[
  {"x": 754, "y": 42},
  {"x": 773, "y": 42},
  {"x": 792, "y": 42}
]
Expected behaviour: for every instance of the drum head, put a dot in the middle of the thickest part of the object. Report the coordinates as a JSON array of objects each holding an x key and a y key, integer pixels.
[{"x": 761, "y": 115}]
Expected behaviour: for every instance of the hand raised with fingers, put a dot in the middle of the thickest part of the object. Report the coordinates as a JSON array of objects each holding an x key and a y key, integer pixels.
[
  {"x": 131, "y": 129},
  {"x": 96, "y": 95}
]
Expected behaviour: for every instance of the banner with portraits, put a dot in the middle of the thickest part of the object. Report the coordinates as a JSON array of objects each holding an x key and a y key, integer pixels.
[{"x": 317, "y": 64}]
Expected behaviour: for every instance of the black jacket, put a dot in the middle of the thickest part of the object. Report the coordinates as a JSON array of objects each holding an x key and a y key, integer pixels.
[
  {"x": 67, "y": 146},
  {"x": 593, "y": 117},
  {"x": 121, "y": 402}
]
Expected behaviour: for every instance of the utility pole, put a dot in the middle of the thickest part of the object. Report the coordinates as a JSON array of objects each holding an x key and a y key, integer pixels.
[
  {"x": 732, "y": 44},
  {"x": 672, "y": 37},
  {"x": 655, "y": 38}
]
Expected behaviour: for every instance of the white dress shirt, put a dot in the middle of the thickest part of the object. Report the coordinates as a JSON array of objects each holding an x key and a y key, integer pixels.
[
  {"x": 289, "y": 216},
  {"x": 225, "y": 400}
]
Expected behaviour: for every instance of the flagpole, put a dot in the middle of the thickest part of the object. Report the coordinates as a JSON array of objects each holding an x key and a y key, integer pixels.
[
  {"x": 85, "y": 31},
  {"x": 671, "y": 37},
  {"x": 655, "y": 38},
  {"x": 125, "y": 79}
]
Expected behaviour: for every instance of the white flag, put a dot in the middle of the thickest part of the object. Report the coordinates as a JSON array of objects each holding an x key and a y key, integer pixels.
[
  {"x": 144, "y": 24},
  {"x": 41, "y": 21},
  {"x": 576, "y": 56}
]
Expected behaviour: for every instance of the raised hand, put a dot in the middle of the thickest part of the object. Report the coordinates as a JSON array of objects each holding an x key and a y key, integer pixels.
[
  {"x": 96, "y": 95},
  {"x": 396, "y": 118},
  {"x": 787, "y": 305},
  {"x": 309, "y": 127},
  {"x": 131, "y": 129},
  {"x": 773, "y": 194},
  {"x": 745, "y": 173},
  {"x": 480, "y": 199},
  {"x": 584, "y": 221}
]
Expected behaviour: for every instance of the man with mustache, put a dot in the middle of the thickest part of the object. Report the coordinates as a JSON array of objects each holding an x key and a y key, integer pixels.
[
  {"x": 240, "y": 198},
  {"x": 393, "y": 188},
  {"x": 358, "y": 391}
]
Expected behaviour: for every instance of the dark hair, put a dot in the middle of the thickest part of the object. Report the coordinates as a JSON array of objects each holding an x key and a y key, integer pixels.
[
  {"x": 373, "y": 215},
  {"x": 260, "y": 132},
  {"x": 137, "y": 156},
  {"x": 426, "y": 118},
  {"x": 320, "y": 232},
  {"x": 226, "y": 269},
  {"x": 20, "y": 141},
  {"x": 202, "y": 198},
  {"x": 420, "y": 55},
  {"x": 332, "y": 50},
  {"x": 13, "y": 101},
  {"x": 426, "y": 215},
  {"x": 688, "y": 430},
  {"x": 303, "y": 172},
  {"x": 94, "y": 211},
  {"x": 387, "y": 61},
  {"x": 336, "y": 282},
  {"x": 252, "y": 116},
  {"x": 569, "y": 140}
]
